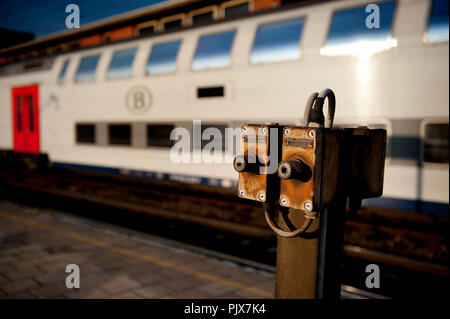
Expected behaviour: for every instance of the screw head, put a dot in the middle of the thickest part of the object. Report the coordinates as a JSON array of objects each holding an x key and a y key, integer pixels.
[
  {"x": 241, "y": 192},
  {"x": 311, "y": 133},
  {"x": 283, "y": 201},
  {"x": 264, "y": 130},
  {"x": 287, "y": 132},
  {"x": 244, "y": 129},
  {"x": 308, "y": 206},
  {"x": 262, "y": 196}
]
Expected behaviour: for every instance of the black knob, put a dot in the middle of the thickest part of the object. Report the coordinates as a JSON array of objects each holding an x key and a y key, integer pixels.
[
  {"x": 294, "y": 169},
  {"x": 243, "y": 163}
]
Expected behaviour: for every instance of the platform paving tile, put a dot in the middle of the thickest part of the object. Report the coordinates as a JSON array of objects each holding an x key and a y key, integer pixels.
[
  {"x": 152, "y": 291},
  {"x": 23, "y": 273},
  {"x": 216, "y": 289},
  {"x": 18, "y": 286},
  {"x": 35, "y": 249},
  {"x": 119, "y": 284},
  {"x": 126, "y": 295},
  {"x": 93, "y": 294}
]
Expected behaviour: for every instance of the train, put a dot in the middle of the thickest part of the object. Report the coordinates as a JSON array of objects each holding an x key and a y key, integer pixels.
[{"x": 112, "y": 106}]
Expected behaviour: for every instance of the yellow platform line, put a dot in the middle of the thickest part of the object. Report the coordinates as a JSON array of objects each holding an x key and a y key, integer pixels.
[{"x": 138, "y": 255}]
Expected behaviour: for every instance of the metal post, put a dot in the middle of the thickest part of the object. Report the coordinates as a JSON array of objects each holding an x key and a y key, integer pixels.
[{"x": 308, "y": 266}]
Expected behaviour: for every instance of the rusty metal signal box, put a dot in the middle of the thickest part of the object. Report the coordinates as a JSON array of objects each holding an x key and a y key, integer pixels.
[{"x": 304, "y": 175}]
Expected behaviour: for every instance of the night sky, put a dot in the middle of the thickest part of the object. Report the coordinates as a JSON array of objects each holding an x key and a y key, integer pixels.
[{"x": 45, "y": 17}]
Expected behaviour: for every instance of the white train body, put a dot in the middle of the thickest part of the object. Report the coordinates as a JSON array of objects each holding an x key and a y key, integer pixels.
[{"x": 402, "y": 88}]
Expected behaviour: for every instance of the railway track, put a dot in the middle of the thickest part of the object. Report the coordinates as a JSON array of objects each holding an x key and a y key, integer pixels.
[{"x": 220, "y": 209}]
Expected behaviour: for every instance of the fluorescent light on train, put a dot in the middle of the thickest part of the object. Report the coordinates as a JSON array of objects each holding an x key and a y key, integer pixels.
[{"x": 360, "y": 48}]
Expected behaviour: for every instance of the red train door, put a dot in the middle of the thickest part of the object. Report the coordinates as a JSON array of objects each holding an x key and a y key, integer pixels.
[{"x": 25, "y": 107}]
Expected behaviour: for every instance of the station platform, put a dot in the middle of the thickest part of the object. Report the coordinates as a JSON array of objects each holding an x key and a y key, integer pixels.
[{"x": 37, "y": 245}]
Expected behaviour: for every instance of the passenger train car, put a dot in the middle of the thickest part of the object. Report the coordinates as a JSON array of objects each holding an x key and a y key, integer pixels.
[{"x": 112, "y": 106}]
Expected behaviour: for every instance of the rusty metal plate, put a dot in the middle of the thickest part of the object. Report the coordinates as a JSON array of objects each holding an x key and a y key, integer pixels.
[
  {"x": 254, "y": 140},
  {"x": 299, "y": 143}
]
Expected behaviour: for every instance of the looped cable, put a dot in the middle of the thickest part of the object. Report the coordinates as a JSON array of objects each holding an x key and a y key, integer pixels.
[
  {"x": 314, "y": 109},
  {"x": 309, "y": 105},
  {"x": 268, "y": 212}
]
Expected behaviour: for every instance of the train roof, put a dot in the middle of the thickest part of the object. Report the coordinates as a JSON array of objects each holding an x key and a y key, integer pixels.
[{"x": 40, "y": 46}]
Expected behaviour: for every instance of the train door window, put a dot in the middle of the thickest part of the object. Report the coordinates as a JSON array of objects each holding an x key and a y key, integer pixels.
[
  {"x": 235, "y": 8},
  {"x": 438, "y": 22},
  {"x": 435, "y": 143},
  {"x": 85, "y": 133},
  {"x": 63, "y": 71},
  {"x": 213, "y": 51},
  {"x": 349, "y": 33},
  {"x": 19, "y": 112},
  {"x": 163, "y": 58},
  {"x": 86, "y": 68},
  {"x": 119, "y": 134},
  {"x": 159, "y": 135},
  {"x": 277, "y": 41},
  {"x": 121, "y": 62},
  {"x": 30, "y": 112}
]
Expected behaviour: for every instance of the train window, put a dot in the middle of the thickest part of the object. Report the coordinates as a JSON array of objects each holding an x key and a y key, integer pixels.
[
  {"x": 435, "y": 143},
  {"x": 119, "y": 134},
  {"x": 146, "y": 28},
  {"x": 220, "y": 127},
  {"x": 85, "y": 133},
  {"x": 277, "y": 41},
  {"x": 163, "y": 57},
  {"x": 235, "y": 8},
  {"x": 63, "y": 71},
  {"x": 33, "y": 65},
  {"x": 121, "y": 62},
  {"x": 172, "y": 22},
  {"x": 159, "y": 135},
  {"x": 438, "y": 24},
  {"x": 349, "y": 33},
  {"x": 213, "y": 51},
  {"x": 213, "y": 91},
  {"x": 86, "y": 68},
  {"x": 203, "y": 17}
]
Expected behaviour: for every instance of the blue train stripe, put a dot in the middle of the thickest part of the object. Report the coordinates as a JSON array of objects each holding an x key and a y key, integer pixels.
[{"x": 383, "y": 202}]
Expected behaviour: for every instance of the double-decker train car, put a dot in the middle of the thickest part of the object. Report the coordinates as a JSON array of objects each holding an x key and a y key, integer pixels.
[{"x": 109, "y": 98}]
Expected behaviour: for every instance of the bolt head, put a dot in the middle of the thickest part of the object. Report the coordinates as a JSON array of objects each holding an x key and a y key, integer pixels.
[
  {"x": 287, "y": 132},
  {"x": 308, "y": 206},
  {"x": 244, "y": 129},
  {"x": 283, "y": 201},
  {"x": 241, "y": 192},
  {"x": 311, "y": 133}
]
